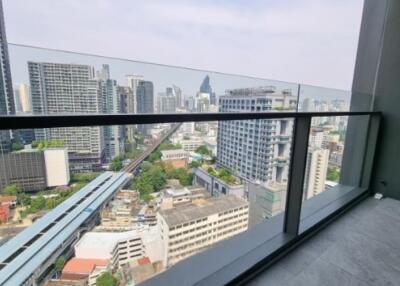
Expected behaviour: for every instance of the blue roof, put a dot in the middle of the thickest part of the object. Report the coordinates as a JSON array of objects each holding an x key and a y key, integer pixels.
[{"x": 23, "y": 265}]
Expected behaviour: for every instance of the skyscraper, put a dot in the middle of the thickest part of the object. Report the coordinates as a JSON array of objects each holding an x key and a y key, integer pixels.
[
  {"x": 166, "y": 102},
  {"x": 68, "y": 89},
  {"x": 205, "y": 87},
  {"x": 255, "y": 149},
  {"x": 145, "y": 97},
  {"x": 179, "y": 97},
  {"x": 113, "y": 135},
  {"x": 7, "y": 105},
  {"x": 133, "y": 81},
  {"x": 22, "y": 98},
  {"x": 145, "y": 102}
]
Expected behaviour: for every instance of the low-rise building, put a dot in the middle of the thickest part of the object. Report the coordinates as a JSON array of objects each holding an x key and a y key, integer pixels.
[
  {"x": 173, "y": 197},
  {"x": 266, "y": 199},
  {"x": 84, "y": 269},
  {"x": 119, "y": 213},
  {"x": 217, "y": 186},
  {"x": 189, "y": 145},
  {"x": 34, "y": 170},
  {"x": 177, "y": 158},
  {"x": 120, "y": 247},
  {"x": 190, "y": 228},
  {"x": 10, "y": 201}
]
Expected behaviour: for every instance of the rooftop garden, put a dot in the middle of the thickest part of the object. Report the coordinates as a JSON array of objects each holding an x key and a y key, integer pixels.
[{"x": 222, "y": 174}]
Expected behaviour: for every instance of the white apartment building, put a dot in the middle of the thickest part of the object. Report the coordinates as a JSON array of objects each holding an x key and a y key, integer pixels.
[
  {"x": 256, "y": 149},
  {"x": 190, "y": 228},
  {"x": 316, "y": 170},
  {"x": 189, "y": 145},
  {"x": 120, "y": 247},
  {"x": 178, "y": 154},
  {"x": 68, "y": 89}
]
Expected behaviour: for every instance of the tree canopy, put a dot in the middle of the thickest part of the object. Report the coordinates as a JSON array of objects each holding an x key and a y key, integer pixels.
[{"x": 106, "y": 279}]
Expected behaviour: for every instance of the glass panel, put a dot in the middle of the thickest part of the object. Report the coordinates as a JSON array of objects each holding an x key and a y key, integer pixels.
[
  {"x": 139, "y": 196},
  {"x": 325, "y": 179}
]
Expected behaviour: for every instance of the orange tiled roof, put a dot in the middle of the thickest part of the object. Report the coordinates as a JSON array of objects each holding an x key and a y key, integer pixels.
[
  {"x": 83, "y": 265},
  {"x": 7, "y": 199},
  {"x": 144, "y": 260}
]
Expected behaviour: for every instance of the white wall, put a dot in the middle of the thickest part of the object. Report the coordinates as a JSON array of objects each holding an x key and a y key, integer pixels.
[{"x": 57, "y": 167}]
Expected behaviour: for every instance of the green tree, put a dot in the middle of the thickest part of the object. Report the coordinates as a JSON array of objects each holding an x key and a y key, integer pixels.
[
  {"x": 195, "y": 164},
  {"x": 38, "y": 203},
  {"x": 333, "y": 174},
  {"x": 60, "y": 262},
  {"x": 12, "y": 190},
  {"x": 17, "y": 146},
  {"x": 106, "y": 279},
  {"x": 203, "y": 150},
  {"x": 116, "y": 163},
  {"x": 51, "y": 203},
  {"x": 24, "y": 199}
]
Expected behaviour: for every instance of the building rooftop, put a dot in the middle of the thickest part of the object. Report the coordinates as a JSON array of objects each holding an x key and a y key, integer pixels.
[
  {"x": 100, "y": 245},
  {"x": 201, "y": 208},
  {"x": 172, "y": 152},
  {"x": 83, "y": 265}
]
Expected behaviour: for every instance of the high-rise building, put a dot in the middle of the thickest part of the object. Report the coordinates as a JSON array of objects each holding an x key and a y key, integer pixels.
[
  {"x": 127, "y": 106},
  {"x": 7, "y": 105},
  {"x": 133, "y": 82},
  {"x": 113, "y": 135},
  {"x": 316, "y": 169},
  {"x": 202, "y": 102},
  {"x": 145, "y": 97},
  {"x": 166, "y": 102},
  {"x": 22, "y": 98},
  {"x": 179, "y": 97},
  {"x": 205, "y": 87},
  {"x": 68, "y": 89},
  {"x": 145, "y": 102},
  {"x": 256, "y": 149}
]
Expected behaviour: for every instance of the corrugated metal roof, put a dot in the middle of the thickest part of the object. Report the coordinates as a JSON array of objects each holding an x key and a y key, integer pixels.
[{"x": 23, "y": 265}]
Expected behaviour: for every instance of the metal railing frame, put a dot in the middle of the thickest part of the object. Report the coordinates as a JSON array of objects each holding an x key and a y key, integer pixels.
[{"x": 301, "y": 130}]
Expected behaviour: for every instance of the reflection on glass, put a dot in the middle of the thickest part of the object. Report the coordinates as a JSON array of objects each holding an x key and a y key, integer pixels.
[{"x": 130, "y": 201}]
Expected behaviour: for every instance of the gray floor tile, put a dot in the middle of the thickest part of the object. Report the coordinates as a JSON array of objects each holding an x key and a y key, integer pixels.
[
  {"x": 360, "y": 248},
  {"x": 276, "y": 275},
  {"x": 322, "y": 273},
  {"x": 365, "y": 258}
]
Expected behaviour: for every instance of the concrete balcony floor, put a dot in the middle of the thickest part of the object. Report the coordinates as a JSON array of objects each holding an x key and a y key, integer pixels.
[{"x": 360, "y": 248}]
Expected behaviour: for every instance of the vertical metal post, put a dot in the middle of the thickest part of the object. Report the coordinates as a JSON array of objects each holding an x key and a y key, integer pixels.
[
  {"x": 371, "y": 142},
  {"x": 296, "y": 174}
]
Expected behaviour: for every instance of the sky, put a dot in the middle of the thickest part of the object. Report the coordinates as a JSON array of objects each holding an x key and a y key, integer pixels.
[{"x": 303, "y": 41}]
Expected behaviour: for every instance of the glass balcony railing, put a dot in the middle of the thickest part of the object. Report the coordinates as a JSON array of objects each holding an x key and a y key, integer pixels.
[{"x": 133, "y": 170}]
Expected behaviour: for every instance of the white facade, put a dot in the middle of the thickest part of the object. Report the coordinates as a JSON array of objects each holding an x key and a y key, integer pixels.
[
  {"x": 316, "y": 169},
  {"x": 190, "y": 228},
  {"x": 178, "y": 154},
  {"x": 57, "y": 167},
  {"x": 121, "y": 247},
  {"x": 256, "y": 149},
  {"x": 133, "y": 81},
  {"x": 23, "y": 100}
]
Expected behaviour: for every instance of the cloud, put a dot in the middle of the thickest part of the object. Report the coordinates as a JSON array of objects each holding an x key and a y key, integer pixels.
[{"x": 311, "y": 41}]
